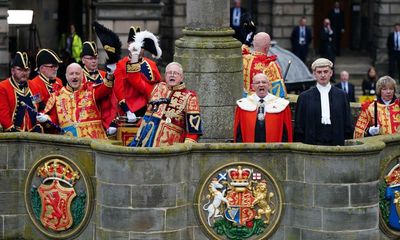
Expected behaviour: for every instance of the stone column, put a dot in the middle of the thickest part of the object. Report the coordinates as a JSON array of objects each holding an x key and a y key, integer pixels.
[{"x": 212, "y": 63}]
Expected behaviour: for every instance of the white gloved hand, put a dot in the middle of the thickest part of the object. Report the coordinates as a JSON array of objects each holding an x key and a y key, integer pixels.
[
  {"x": 42, "y": 118},
  {"x": 111, "y": 130},
  {"x": 134, "y": 53},
  {"x": 111, "y": 68},
  {"x": 373, "y": 131},
  {"x": 248, "y": 37},
  {"x": 131, "y": 116}
]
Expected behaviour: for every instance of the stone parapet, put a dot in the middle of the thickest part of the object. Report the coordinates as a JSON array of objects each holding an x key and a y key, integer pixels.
[{"x": 148, "y": 193}]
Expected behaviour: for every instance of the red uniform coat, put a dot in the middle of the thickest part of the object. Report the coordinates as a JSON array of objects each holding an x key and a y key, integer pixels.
[
  {"x": 126, "y": 91},
  {"x": 46, "y": 87},
  {"x": 108, "y": 105},
  {"x": 12, "y": 114},
  {"x": 278, "y": 118}
]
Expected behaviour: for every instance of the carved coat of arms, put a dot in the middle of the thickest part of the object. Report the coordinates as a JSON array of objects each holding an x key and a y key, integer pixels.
[
  {"x": 57, "y": 197},
  {"x": 240, "y": 201}
]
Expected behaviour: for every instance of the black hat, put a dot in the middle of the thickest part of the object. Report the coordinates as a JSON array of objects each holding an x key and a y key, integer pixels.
[
  {"x": 20, "y": 60},
  {"x": 148, "y": 41},
  {"x": 47, "y": 56},
  {"x": 132, "y": 33},
  {"x": 110, "y": 41},
  {"x": 89, "y": 49}
]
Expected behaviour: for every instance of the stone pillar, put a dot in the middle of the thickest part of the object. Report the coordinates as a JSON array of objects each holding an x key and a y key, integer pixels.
[
  {"x": 4, "y": 54},
  {"x": 212, "y": 63}
]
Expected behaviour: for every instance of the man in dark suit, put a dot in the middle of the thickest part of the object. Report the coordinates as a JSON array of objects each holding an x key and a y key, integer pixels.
[
  {"x": 236, "y": 13},
  {"x": 346, "y": 86},
  {"x": 393, "y": 46},
  {"x": 336, "y": 17},
  {"x": 301, "y": 38},
  {"x": 327, "y": 41}
]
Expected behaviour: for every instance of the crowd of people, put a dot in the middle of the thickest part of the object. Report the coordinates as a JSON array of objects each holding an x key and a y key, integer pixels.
[{"x": 91, "y": 101}]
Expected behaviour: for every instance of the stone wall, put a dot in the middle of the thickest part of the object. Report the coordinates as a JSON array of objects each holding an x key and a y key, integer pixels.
[
  {"x": 119, "y": 16},
  {"x": 388, "y": 13},
  {"x": 329, "y": 192}
]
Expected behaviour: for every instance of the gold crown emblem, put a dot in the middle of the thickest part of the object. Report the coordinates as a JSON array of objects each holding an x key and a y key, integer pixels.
[
  {"x": 56, "y": 169},
  {"x": 240, "y": 177}
]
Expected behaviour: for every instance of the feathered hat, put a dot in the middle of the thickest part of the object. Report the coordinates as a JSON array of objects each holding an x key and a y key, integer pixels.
[
  {"x": 110, "y": 41},
  {"x": 148, "y": 41},
  {"x": 132, "y": 32}
]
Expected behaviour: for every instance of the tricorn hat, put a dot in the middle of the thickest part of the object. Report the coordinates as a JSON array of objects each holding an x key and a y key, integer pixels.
[
  {"x": 20, "y": 60},
  {"x": 47, "y": 56},
  {"x": 110, "y": 41},
  {"x": 89, "y": 48},
  {"x": 148, "y": 41},
  {"x": 132, "y": 33}
]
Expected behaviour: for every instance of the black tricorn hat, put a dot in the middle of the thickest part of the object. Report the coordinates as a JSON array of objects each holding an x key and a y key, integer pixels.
[
  {"x": 20, "y": 60},
  {"x": 110, "y": 41},
  {"x": 47, "y": 56},
  {"x": 148, "y": 41},
  {"x": 89, "y": 48},
  {"x": 132, "y": 33}
]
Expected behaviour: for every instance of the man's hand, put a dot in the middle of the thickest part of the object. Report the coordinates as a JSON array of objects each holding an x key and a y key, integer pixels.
[
  {"x": 373, "y": 131},
  {"x": 111, "y": 68},
  {"x": 134, "y": 53},
  {"x": 111, "y": 131},
  {"x": 131, "y": 116},
  {"x": 42, "y": 118}
]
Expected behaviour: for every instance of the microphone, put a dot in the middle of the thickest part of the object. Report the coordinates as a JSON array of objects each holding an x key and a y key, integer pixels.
[{"x": 160, "y": 101}]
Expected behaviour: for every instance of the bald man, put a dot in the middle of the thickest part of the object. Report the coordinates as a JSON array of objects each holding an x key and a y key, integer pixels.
[
  {"x": 346, "y": 86},
  {"x": 256, "y": 60},
  {"x": 75, "y": 107}
]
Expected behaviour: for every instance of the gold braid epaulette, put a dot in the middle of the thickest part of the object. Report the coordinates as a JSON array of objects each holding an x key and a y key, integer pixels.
[{"x": 132, "y": 67}]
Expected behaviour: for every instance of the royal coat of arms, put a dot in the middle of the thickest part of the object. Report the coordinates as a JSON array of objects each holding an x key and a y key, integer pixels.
[
  {"x": 53, "y": 200},
  {"x": 389, "y": 200},
  {"x": 240, "y": 201}
]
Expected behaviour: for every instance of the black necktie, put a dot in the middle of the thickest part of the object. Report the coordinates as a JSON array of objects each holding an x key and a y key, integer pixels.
[{"x": 259, "y": 134}]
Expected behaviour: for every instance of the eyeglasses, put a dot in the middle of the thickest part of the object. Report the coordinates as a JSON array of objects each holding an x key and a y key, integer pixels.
[
  {"x": 50, "y": 65},
  {"x": 173, "y": 73}
]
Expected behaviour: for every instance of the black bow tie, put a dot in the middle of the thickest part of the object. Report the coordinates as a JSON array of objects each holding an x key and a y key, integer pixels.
[
  {"x": 22, "y": 85},
  {"x": 93, "y": 73},
  {"x": 52, "y": 81}
]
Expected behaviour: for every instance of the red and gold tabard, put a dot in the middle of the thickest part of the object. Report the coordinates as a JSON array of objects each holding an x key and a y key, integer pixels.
[
  {"x": 388, "y": 118},
  {"x": 108, "y": 105},
  {"x": 257, "y": 62},
  {"x": 18, "y": 106},
  {"x": 175, "y": 119},
  {"x": 126, "y": 91},
  {"x": 46, "y": 87},
  {"x": 77, "y": 112}
]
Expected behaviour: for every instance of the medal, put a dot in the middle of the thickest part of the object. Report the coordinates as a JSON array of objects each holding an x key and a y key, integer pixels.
[{"x": 168, "y": 120}]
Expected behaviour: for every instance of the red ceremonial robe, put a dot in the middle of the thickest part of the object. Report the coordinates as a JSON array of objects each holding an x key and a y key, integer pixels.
[{"x": 278, "y": 118}]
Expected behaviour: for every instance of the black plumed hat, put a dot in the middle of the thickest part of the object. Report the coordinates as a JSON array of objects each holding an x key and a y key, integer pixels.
[
  {"x": 89, "y": 48},
  {"x": 132, "y": 32},
  {"x": 147, "y": 41},
  {"x": 20, "y": 60},
  {"x": 47, "y": 56},
  {"x": 110, "y": 41}
]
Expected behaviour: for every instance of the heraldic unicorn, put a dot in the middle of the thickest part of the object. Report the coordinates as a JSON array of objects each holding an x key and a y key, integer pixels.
[{"x": 240, "y": 203}]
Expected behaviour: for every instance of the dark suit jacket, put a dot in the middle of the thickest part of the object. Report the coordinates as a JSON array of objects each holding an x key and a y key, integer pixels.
[
  {"x": 327, "y": 45},
  {"x": 337, "y": 21},
  {"x": 390, "y": 43},
  {"x": 296, "y": 35},
  {"x": 350, "y": 92}
]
